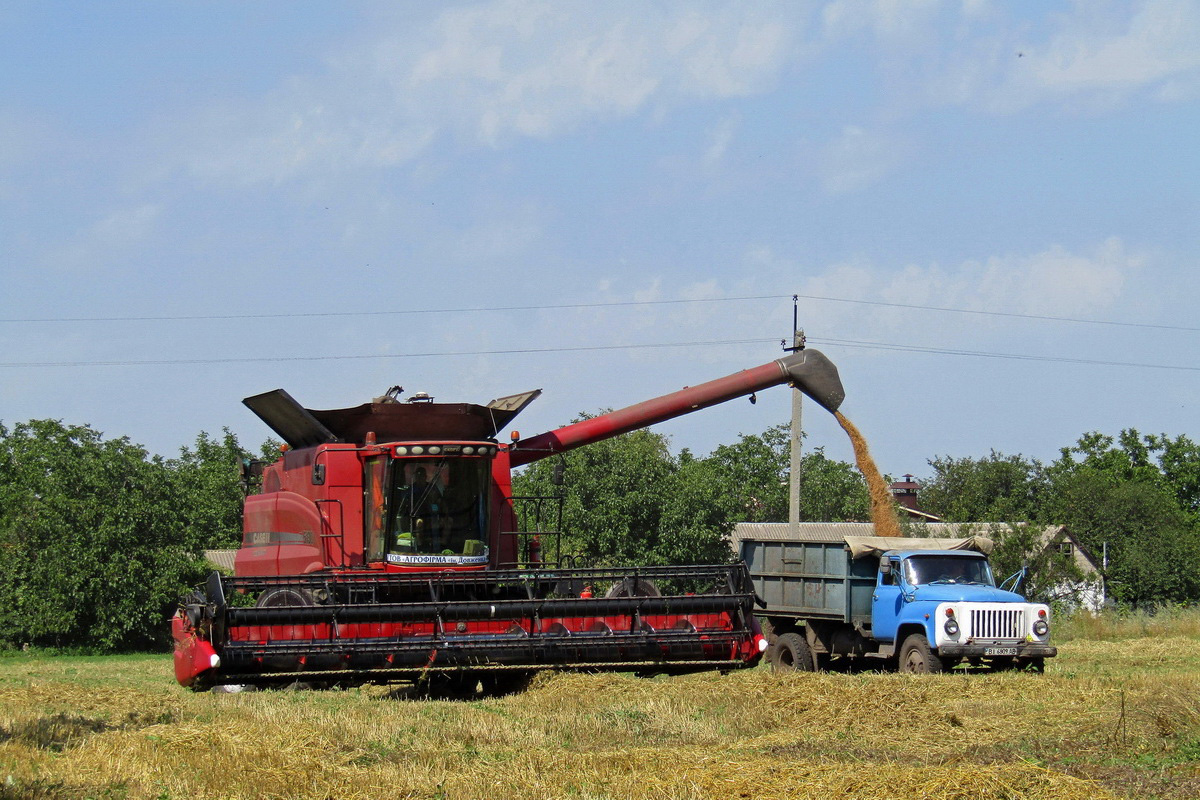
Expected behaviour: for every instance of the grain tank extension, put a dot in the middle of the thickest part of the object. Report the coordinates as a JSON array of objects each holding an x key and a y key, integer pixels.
[{"x": 385, "y": 546}]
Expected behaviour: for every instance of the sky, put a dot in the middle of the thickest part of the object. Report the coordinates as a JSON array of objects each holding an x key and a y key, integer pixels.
[{"x": 988, "y": 213}]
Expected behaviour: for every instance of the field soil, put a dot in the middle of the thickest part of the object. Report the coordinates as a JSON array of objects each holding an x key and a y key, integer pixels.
[{"x": 1108, "y": 719}]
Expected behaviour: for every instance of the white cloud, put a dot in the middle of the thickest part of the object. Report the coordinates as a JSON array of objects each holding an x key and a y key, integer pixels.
[
  {"x": 116, "y": 234},
  {"x": 1053, "y": 282},
  {"x": 856, "y": 159},
  {"x": 1091, "y": 56},
  {"x": 890, "y": 21},
  {"x": 1056, "y": 282},
  {"x": 487, "y": 73},
  {"x": 1094, "y": 58},
  {"x": 1098, "y": 60},
  {"x": 720, "y": 139}
]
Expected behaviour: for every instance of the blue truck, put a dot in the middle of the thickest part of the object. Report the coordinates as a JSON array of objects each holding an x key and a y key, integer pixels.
[{"x": 918, "y": 605}]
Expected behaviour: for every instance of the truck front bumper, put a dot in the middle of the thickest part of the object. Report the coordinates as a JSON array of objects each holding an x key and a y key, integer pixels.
[{"x": 1022, "y": 650}]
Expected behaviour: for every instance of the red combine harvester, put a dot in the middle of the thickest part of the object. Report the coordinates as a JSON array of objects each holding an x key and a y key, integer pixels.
[{"x": 384, "y": 546}]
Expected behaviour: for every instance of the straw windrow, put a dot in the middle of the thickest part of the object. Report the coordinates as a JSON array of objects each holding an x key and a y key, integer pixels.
[{"x": 118, "y": 728}]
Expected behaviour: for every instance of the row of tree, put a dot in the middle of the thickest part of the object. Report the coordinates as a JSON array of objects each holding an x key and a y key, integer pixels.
[
  {"x": 1131, "y": 500},
  {"x": 99, "y": 539}
]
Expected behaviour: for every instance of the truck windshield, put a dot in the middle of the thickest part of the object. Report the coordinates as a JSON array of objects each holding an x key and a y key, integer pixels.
[
  {"x": 921, "y": 570},
  {"x": 437, "y": 511}
]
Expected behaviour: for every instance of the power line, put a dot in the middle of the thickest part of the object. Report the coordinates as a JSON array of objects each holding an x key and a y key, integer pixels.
[
  {"x": 599, "y": 304},
  {"x": 1011, "y": 314},
  {"x": 851, "y": 343},
  {"x": 376, "y": 356},
  {"x": 397, "y": 312},
  {"x": 985, "y": 354}
]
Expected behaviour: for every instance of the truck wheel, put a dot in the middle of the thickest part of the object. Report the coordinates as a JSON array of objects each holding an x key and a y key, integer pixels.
[
  {"x": 792, "y": 654},
  {"x": 916, "y": 657}
]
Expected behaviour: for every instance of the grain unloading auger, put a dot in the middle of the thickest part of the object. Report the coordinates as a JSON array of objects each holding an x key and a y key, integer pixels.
[{"x": 384, "y": 547}]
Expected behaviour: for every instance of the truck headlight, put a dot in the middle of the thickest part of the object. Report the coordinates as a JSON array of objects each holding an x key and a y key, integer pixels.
[
  {"x": 1041, "y": 627},
  {"x": 951, "y": 627}
]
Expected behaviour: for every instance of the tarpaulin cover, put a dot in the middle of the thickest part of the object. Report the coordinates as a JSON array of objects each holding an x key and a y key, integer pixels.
[{"x": 867, "y": 545}]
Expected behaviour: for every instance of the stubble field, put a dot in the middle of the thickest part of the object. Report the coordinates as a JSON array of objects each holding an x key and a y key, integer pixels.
[{"x": 1110, "y": 718}]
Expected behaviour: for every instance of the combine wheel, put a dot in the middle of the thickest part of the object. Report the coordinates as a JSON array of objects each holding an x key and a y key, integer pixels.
[
  {"x": 634, "y": 588},
  {"x": 446, "y": 686},
  {"x": 502, "y": 684},
  {"x": 916, "y": 657},
  {"x": 792, "y": 654},
  {"x": 285, "y": 596}
]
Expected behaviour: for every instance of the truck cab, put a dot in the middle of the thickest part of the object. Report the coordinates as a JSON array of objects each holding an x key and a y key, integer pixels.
[{"x": 938, "y": 607}]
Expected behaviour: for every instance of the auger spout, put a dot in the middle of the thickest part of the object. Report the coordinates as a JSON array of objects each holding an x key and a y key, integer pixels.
[{"x": 810, "y": 371}]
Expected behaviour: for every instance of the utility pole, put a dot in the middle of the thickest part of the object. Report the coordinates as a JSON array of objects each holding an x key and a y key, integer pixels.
[{"x": 797, "y": 412}]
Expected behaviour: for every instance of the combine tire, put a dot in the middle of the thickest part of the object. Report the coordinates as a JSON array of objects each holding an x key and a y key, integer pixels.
[
  {"x": 916, "y": 657},
  {"x": 446, "y": 686},
  {"x": 285, "y": 596},
  {"x": 502, "y": 684},
  {"x": 792, "y": 654},
  {"x": 634, "y": 588}
]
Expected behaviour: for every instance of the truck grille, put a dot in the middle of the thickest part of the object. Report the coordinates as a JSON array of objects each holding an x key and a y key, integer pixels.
[{"x": 998, "y": 623}]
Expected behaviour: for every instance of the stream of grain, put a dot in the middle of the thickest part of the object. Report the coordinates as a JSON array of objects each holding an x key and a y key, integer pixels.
[{"x": 883, "y": 511}]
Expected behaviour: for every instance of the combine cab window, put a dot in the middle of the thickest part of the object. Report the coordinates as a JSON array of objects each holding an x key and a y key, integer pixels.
[
  {"x": 374, "y": 487},
  {"x": 922, "y": 570},
  {"x": 437, "y": 511}
]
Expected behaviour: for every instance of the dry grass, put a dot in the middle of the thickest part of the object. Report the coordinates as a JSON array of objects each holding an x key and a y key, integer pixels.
[
  {"x": 1109, "y": 719},
  {"x": 1116, "y": 624}
]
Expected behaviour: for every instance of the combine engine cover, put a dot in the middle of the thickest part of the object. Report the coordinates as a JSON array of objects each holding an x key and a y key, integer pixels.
[{"x": 384, "y": 547}]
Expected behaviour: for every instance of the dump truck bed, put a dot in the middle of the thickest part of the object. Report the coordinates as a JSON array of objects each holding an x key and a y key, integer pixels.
[{"x": 825, "y": 574}]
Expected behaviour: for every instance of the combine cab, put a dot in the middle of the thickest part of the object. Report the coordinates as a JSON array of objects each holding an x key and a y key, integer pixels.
[{"x": 384, "y": 546}]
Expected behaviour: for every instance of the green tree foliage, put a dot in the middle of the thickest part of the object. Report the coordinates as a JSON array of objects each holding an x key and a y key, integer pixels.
[
  {"x": 98, "y": 540},
  {"x": 1132, "y": 495},
  {"x": 998, "y": 488},
  {"x": 93, "y": 548},
  {"x": 831, "y": 490},
  {"x": 615, "y": 494},
  {"x": 1008, "y": 492},
  {"x": 630, "y": 500},
  {"x": 1051, "y": 575},
  {"x": 753, "y": 474},
  {"x": 209, "y": 486}
]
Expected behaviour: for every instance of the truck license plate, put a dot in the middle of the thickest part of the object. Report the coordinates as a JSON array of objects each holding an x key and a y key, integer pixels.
[{"x": 999, "y": 651}]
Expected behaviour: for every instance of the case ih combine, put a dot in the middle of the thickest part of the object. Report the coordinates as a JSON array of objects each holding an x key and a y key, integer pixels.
[{"x": 385, "y": 546}]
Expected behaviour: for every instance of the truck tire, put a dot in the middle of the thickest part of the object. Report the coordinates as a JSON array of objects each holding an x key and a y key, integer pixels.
[
  {"x": 917, "y": 658},
  {"x": 792, "y": 654}
]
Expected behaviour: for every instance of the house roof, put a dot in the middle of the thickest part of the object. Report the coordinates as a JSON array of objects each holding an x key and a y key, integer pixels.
[{"x": 221, "y": 559}]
